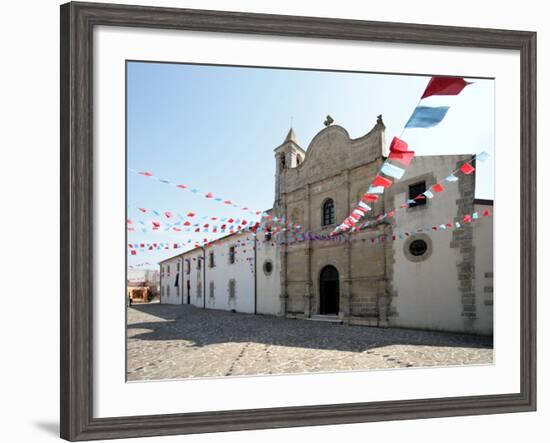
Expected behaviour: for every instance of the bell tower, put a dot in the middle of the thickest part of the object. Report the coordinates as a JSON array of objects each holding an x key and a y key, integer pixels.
[{"x": 288, "y": 155}]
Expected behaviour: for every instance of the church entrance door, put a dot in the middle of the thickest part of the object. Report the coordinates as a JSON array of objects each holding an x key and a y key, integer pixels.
[{"x": 329, "y": 287}]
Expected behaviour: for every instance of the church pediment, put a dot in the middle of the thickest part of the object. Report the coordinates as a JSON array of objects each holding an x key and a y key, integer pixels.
[{"x": 332, "y": 151}]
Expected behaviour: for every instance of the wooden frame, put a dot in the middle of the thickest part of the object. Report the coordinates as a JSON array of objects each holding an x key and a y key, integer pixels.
[{"x": 77, "y": 23}]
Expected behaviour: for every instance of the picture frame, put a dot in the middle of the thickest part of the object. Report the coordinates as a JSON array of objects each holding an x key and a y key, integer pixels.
[{"x": 78, "y": 21}]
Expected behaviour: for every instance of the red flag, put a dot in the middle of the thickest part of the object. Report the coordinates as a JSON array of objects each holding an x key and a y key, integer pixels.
[
  {"x": 190, "y": 214},
  {"x": 467, "y": 168},
  {"x": 209, "y": 195},
  {"x": 445, "y": 86},
  {"x": 404, "y": 158},
  {"x": 181, "y": 186},
  {"x": 198, "y": 230},
  {"x": 381, "y": 181},
  {"x": 230, "y": 220},
  {"x": 437, "y": 188},
  {"x": 133, "y": 252},
  {"x": 467, "y": 218},
  {"x": 156, "y": 224},
  {"x": 147, "y": 174},
  {"x": 486, "y": 213},
  {"x": 187, "y": 223},
  {"x": 228, "y": 202},
  {"x": 398, "y": 145},
  {"x": 143, "y": 210},
  {"x": 370, "y": 198},
  {"x": 168, "y": 214}
]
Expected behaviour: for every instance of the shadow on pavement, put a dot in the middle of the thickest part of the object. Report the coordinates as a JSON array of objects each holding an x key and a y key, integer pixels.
[{"x": 206, "y": 327}]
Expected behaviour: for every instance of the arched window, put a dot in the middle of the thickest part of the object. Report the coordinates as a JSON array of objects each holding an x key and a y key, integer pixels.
[
  {"x": 328, "y": 212},
  {"x": 283, "y": 161}
]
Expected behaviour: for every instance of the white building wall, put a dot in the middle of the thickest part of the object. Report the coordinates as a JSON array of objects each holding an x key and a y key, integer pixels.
[
  {"x": 427, "y": 292},
  {"x": 241, "y": 271},
  {"x": 268, "y": 284},
  {"x": 193, "y": 277},
  {"x": 169, "y": 270}
]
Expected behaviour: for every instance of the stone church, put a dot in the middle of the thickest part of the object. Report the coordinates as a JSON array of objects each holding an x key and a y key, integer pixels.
[{"x": 437, "y": 279}]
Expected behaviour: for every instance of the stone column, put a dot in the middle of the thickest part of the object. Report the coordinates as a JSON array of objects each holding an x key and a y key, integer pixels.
[
  {"x": 383, "y": 297},
  {"x": 283, "y": 235},
  {"x": 347, "y": 277},
  {"x": 308, "y": 294}
]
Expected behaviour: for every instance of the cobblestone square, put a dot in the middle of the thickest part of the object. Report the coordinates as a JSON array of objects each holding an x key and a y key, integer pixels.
[{"x": 182, "y": 341}]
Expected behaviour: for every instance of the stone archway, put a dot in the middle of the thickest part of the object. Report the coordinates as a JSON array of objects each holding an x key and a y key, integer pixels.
[{"x": 329, "y": 291}]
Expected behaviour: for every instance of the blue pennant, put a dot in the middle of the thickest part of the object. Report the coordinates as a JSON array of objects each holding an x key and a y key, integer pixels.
[{"x": 427, "y": 117}]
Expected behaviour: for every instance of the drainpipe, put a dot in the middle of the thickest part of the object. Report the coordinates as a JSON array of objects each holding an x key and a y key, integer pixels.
[
  {"x": 255, "y": 276},
  {"x": 181, "y": 278},
  {"x": 203, "y": 277},
  {"x": 160, "y": 285}
]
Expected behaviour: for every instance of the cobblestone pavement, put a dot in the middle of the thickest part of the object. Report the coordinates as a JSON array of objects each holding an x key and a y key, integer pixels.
[{"x": 181, "y": 341}]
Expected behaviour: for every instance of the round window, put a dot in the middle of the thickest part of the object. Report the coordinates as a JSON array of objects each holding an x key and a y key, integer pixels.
[
  {"x": 418, "y": 247},
  {"x": 268, "y": 267}
]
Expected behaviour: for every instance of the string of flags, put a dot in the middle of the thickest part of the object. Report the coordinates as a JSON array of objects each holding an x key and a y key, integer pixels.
[
  {"x": 465, "y": 168},
  {"x": 207, "y": 195},
  {"x": 177, "y": 222},
  {"x": 249, "y": 244},
  {"x": 276, "y": 224},
  {"x": 400, "y": 156}
]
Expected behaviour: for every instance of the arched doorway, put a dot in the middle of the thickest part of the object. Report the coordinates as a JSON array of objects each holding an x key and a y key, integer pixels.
[{"x": 329, "y": 291}]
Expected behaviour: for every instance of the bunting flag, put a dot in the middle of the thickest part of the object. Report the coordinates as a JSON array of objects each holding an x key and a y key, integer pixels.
[
  {"x": 381, "y": 181},
  {"x": 399, "y": 146},
  {"x": 392, "y": 170},
  {"x": 482, "y": 156},
  {"x": 404, "y": 158},
  {"x": 467, "y": 168},
  {"x": 375, "y": 190},
  {"x": 427, "y": 117},
  {"x": 445, "y": 86}
]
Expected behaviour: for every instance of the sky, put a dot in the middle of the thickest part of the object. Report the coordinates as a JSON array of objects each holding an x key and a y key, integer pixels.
[{"x": 214, "y": 128}]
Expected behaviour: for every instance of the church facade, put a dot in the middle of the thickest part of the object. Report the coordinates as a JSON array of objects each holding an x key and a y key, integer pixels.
[{"x": 429, "y": 279}]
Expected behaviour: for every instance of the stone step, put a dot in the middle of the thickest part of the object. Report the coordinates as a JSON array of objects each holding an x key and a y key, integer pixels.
[{"x": 326, "y": 318}]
